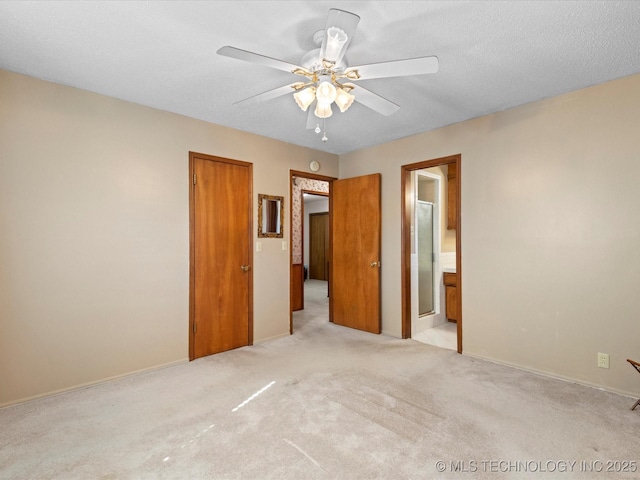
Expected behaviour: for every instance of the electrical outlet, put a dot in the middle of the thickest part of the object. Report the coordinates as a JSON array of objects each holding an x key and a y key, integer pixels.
[{"x": 603, "y": 360}]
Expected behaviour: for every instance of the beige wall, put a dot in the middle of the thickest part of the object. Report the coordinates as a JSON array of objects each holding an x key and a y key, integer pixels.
[
  {"x": 94, "y": 234},
  {"x": 550, "y": 230}
]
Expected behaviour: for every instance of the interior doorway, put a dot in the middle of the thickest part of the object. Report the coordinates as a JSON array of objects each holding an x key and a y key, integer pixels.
[
  {"x": 309, "y": 195},
  {"x": 443, "y": 266},
  {"x": 354, "y": 250}
]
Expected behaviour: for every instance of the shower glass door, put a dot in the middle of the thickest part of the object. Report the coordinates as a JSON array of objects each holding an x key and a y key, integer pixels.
[{"x": 424, "y": 222}]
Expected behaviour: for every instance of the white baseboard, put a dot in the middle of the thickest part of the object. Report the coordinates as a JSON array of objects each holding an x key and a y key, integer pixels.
[
  {"x": 552, "y": 375},
  {"x": 271, "y": 339},
  {"x": 391, "y": 334},
  {"x": 96, "y": 382}
]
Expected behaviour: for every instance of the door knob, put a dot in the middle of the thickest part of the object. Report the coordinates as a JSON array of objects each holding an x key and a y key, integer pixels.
[
  {"x": 375, "y": 264},
  {"x": 245, "y": 268}
]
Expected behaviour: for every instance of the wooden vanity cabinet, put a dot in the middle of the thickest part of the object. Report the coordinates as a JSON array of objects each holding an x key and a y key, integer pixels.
[{"x": 451, "y": 296}]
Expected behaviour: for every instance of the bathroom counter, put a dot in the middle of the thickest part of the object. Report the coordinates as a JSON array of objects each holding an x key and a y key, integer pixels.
[{"x": 449, "y": 270}]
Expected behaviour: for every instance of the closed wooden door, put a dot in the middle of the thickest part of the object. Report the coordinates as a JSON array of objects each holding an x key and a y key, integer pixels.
[
  {"x": 221, "y": 255},
  {"x": 318, "y": 246},
  {"x": 355, "y": 253}
]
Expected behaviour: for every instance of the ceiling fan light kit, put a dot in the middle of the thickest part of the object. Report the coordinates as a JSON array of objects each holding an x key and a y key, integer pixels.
[
  {"x": 344, "y": 99},
  {"x": 323, "y": 110},
  {"x": 326, "y": 93},
  {"x": 305, "y": 97},
  {"x": 325, "y": 68}
]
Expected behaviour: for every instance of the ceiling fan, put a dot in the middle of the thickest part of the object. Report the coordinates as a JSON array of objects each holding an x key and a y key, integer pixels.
[{"x": 327, "y": 79}]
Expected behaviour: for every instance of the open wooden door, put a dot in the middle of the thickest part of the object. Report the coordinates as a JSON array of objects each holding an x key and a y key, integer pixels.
[{"x": 355, "y": 253}]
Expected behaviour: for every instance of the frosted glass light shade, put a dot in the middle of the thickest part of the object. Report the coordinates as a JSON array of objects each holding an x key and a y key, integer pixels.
[
  {"x": 344, "y": 99},
  {"x": 336, "y": 38},
  {"x": 305, "y": 97},
  {"x": 323, "y": 110},
  {"x": 326, "y": 92}
]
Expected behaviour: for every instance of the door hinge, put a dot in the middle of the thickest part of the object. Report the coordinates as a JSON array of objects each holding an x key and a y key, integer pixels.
[
  {"x": 194, "y": 328},
  {"x": 194, "y": 178}
]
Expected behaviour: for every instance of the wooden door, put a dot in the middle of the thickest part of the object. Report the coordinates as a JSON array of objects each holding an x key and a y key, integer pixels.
[
  {"x": 355, "y": 253},
  {"x": 221, "y": 255},
  {"x": 318, "y": 245},
  {"x": 297, "y": 287}
]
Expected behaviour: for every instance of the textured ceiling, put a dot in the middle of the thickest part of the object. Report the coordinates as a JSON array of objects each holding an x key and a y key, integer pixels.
[{"x": 493, "y": 55}]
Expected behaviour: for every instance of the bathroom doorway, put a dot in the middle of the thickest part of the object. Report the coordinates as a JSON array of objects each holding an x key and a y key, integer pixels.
[{"x": 431, "y": 263}]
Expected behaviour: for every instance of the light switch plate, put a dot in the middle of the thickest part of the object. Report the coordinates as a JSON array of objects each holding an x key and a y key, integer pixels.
[
  {"x": 258, "y": 246},
  {"x": 284, "y": 245}
]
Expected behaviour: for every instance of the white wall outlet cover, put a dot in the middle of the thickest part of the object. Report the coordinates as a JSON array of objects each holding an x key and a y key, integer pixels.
[{"x": 603, "y": 360}]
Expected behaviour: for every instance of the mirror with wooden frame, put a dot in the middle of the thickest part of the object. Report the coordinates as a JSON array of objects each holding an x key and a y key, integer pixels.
[{"x": 270, "y": 216}]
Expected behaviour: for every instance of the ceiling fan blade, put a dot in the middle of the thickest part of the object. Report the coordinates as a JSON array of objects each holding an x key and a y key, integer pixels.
[
  {"x": 312, "y": 120},
  {"x": 374, "y": 101},
  {"x": 251, "y": 57},
  {"x": 268, "y": 95},
  {"x": 398, "y": 68},
  {"x": 345, "y": 21}
]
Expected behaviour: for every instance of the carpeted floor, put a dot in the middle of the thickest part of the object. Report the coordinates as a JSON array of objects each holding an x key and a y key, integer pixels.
[{"x": 325, "y": 403}]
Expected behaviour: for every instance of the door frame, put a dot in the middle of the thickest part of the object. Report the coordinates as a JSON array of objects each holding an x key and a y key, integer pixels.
[
  {"x": 311, "y": 176},
  {"x": 192, "y": 245},
  {"x": 405, "y": 177}
]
